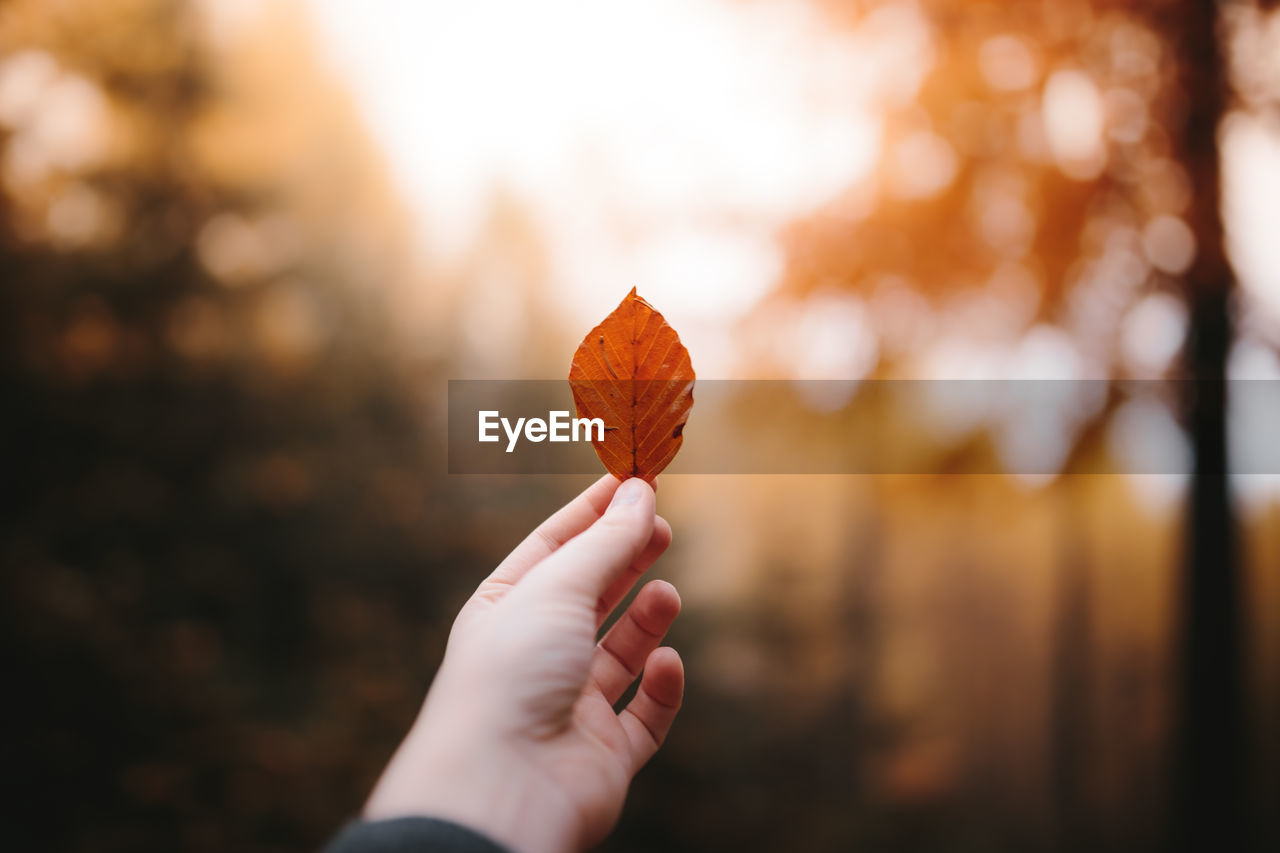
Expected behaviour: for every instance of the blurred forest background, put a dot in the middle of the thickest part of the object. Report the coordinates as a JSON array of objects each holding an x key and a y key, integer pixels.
[{"x": 232, "y": 290}]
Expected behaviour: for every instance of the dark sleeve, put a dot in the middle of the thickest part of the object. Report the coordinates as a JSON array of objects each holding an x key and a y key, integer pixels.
[{"x": 410, "y": 835}]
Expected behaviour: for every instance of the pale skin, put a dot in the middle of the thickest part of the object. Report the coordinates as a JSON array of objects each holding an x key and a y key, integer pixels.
[{"x": 518, "y": 738}]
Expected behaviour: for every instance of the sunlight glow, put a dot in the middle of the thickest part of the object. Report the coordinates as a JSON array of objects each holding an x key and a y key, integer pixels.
[
  {"x": 1251, "y": 208},
  {"x": 659, "y": 144},
  {"x": 1007, "y": 63},
  {"x": 1073, "y": 124}
]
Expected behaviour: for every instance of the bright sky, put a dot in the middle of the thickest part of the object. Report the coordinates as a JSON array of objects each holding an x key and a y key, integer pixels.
[
  {"x": 663, "y": 143},
  {"x": 658, "y": 143}
]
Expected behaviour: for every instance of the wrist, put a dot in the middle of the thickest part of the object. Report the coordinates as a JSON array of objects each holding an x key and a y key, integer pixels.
[{"x": 480, "y": 785}]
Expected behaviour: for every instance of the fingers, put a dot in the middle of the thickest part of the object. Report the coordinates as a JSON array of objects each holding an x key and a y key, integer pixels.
[
  {"x": 566, "y": 523},
  {"x": 620, "y": 656},
  {"x": 587, "y": 565},
  {"x": 658, "y": 544},
  {"x": 648, "y": 716}
]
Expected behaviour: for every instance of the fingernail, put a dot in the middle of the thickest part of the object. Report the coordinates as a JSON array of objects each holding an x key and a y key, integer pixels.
[{"x": 628, "y": 493}]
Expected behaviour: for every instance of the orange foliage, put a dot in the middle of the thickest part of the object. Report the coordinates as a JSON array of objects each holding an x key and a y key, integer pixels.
[{"x": 633, "y": 372}]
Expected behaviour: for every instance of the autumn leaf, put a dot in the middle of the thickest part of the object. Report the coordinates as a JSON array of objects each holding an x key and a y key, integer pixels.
[{"x": 633, "y": 373}]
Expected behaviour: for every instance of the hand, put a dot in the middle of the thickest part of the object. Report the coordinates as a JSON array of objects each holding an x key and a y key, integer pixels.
[{"x": 518, "y": 738}]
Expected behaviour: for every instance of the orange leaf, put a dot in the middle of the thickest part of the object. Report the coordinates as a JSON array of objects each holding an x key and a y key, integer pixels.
[{"x": 633, "y": 373}]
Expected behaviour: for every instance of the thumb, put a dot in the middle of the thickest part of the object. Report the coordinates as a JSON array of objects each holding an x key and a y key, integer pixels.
[{"x": 590, "y": 562}]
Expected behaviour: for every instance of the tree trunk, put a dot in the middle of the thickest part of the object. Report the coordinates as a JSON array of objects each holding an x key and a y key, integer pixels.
[{"x": 1209, "y": 808}]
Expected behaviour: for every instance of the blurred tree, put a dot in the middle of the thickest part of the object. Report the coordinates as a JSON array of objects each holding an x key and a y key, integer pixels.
[
  {"x": 1056, "y": 164},
  {"x": 215, "y": 467},
  {"x": 1212, "y": 805}
]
